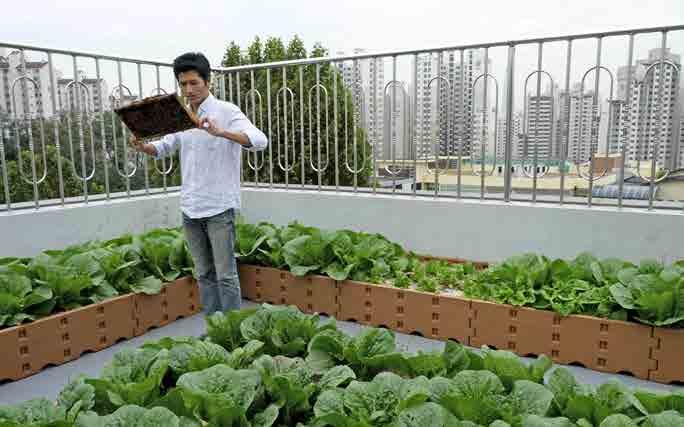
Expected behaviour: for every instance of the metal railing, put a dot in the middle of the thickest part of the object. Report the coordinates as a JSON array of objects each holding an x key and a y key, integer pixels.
[{"x": 336, "y": 124}]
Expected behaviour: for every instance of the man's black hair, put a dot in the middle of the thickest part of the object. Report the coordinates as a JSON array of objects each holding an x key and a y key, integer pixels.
[{"x": 192, "y": 61}]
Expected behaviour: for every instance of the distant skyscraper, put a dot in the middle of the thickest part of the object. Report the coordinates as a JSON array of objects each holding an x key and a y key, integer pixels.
[
  {"x": 368, "y": 75},
  {"x": 448, "y": 106},
  {"x": 93, "y": 94},
  {"x": 501, "y": 138},
  {"x": 647, "y": 125},
  {"x": 539, "y": 130},
  {"x": 397, "y": 125},
  {"x": 38, "y": 102},
  {"x": 583, "y": 134},
  {"x": 38, "y": 99}
]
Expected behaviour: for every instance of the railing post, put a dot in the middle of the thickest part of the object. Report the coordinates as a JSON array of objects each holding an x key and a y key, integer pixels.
[{"x": 508, "y": 162}]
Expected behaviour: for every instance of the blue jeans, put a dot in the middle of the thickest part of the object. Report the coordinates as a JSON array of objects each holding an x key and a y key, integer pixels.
[{"x": 211, "y": 241}]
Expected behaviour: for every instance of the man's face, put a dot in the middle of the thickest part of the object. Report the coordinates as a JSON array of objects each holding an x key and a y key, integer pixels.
[{"x": 193, "y": 86}]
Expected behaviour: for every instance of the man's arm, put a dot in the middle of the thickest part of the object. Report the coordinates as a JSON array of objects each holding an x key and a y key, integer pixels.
[
  {"x": 239, "y": 137},
  {"x": 240, "y": 130},
  {"x": 142, "y": 147},
  {"x": 157, "y": 149}
]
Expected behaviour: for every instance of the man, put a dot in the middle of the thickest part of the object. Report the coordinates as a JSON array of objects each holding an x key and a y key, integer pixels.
[{"x": 210, "y": 191}]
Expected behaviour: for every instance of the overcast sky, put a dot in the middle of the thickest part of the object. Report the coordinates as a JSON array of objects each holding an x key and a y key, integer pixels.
[{"x": 163, "y": 29}]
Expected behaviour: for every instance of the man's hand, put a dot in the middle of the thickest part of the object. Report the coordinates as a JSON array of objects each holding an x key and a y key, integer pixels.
[
  {"x": 141, "y": 147},
  {"x": 136, "y": 144},
  {"x": 210, "y": 126}
]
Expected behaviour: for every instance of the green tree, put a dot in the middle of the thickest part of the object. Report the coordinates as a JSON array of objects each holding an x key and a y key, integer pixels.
[
  {"x": 22, "y": 191},
  {"x": 296, "y": 49},
  {"x": 108, "y": 166},
  {"x": 274, "y": 50},
  {"x": 303, "y": 142},
  {"x": 102, "y": 167},
  {"x": 254, "y": 54},
  {"x": 233, "y": 56}
]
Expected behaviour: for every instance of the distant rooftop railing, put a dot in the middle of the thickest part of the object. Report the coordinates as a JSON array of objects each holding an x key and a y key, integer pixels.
[{"x": 589, "y": 119}]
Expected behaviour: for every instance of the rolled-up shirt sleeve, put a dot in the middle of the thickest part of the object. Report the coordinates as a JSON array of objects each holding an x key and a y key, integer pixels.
[
  {"x": 240, "y": 123},
  {"x": 167, "y": 145}
]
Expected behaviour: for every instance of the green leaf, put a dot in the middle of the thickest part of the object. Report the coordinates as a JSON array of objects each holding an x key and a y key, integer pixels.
[
  {"x": 426, "y": 414},
  {"x": 77, "y": 392},
  {"x": 267, "y": 417},
  {"x": 224, "y": 328},
  {"x": 149, "y": 285},
  {"x": 242, "y": 357},
  {"x": 197, "y": 356},
  {"x": 173, "y": 401},
  {"x": 614, "y": 397},
  {"x": 531, "y": 398},
  {"x": 374, "y": 342},
  {"x": 618, "y": 420},
  {"x": 539, "y": 368},
  {"x": 283, "y": 330},
  {"x": 132, "y": 377},
  {"x": 655, "y": 403},
  {"x": 506, "y": 365},
  {"x": 650, "y": 266},
  {"x": 456, "y": 358},
  {"x": 330, "y": 402},
  {"x": 34, "y": 412},
  {"x": 427, "y": 364},
  {"x": 131, "y": 416},
  {"x": 336, "y": 377},
  {"x": 562, "y": 384},
  {"x": 623, "y": 296},
  {"x": 326, "y": 349},
  {"x": 220, "y": 394},
  {"x": 537, "y": 421},
  {"x": 471, "y": 395},
  {"x": 308, "y": 253},
  {"x": 664, "y": 419},
  {"x": 337, "y": 271}
]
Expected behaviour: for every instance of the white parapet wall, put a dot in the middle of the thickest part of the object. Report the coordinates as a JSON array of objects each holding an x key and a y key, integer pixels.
[
  {"x": 485, "y": 231},
  {"x": 27, "y": 232}
]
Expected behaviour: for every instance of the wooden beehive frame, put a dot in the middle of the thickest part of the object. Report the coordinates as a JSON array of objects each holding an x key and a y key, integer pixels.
[{"x": 156, "y": 116}]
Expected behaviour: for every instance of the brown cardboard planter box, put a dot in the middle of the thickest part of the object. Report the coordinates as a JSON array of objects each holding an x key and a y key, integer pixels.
[
  {"x": 668, "y": 352},
  {"x": 311, "y": 294},
  {"x": 179, "y": 298},
  {"x": 599, "y": 344},
  {"x": 524, "y": 331},
  {"x": 595, "y": 343},
  {"x": 406, "y": 310},
  {"x": 603, "y": 345},
  {"x": 263, "y": 284},
  {"x": 375, "y": 305},
  {"x": 62, "y": 337},
  {"x": 249, "y": 275},
  {"x": 438, "y": 316},
  {"x": 456, "y": 319}
]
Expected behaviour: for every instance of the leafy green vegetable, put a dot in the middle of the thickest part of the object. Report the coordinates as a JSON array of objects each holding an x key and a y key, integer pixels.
[
  {"x": 359, "y": 381},
  {"x": 33, "y": 413},
  {"x": 224, "y": 328},
  {"x": 133, "y": 377},
  {"x": 283, "y": 330},
  {"x": 656, "y": 297},
  {"x": 221, "y": 395},
  {"x": 18, "y": 297},
  {"x": 134, "y": 416}
]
